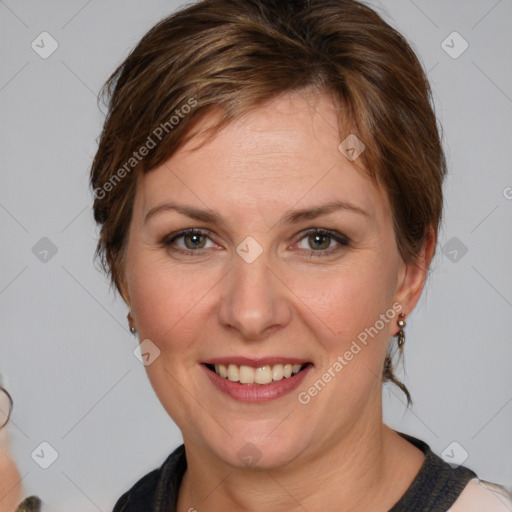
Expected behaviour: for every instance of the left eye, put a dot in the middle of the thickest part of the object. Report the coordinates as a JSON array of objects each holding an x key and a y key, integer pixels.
[{"x": 321, "y": 241}]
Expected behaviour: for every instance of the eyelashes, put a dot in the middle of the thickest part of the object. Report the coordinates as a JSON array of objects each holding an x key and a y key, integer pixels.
[
  {"x": 195, "y": 242},
  {"x": 315, "y": 236}
]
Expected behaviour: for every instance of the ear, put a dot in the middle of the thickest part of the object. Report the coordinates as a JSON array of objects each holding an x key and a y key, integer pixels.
[
  {"x": 413, "y": 275},
  {"x": 122, "y": 288}
]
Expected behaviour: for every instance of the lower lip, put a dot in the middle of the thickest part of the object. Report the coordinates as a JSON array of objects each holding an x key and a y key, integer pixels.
[{"x": 257, "y": 392}]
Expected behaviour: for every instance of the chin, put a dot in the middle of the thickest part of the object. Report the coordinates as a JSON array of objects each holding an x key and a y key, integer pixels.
[{"x": 257, "y": 451}]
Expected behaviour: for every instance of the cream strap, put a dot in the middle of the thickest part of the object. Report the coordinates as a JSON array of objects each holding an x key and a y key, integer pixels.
[{"x": 482, "y": 496}]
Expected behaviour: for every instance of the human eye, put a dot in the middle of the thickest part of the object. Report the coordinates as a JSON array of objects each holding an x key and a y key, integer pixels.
[
  {"x": 188, "y": 241},
  {"x": 322, "y": 242}
]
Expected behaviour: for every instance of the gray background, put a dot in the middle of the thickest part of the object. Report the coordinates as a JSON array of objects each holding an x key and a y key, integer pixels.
[{"x": 66, "y": 354}]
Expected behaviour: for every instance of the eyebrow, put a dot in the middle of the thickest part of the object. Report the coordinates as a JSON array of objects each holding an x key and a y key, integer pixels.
[
  {"x": 292, "y": 217},
  {"x": 312, "y": 213}
]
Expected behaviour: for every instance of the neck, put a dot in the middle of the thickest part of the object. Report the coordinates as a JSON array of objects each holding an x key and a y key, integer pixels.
[{"x": 357, "y": 471}]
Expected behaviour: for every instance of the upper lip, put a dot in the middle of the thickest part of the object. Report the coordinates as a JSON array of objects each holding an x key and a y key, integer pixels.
[{"x": 255, "y": 363}]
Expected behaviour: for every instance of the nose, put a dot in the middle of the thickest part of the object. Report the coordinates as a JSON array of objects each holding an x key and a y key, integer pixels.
[{"x": 254, "y": 301}]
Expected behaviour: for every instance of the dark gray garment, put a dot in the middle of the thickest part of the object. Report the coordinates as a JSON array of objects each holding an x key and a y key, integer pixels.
[{"x": 435, "y": 488}]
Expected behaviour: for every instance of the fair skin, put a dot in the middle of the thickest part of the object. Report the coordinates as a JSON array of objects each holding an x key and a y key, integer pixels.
[
  {"x": 301, "y": 297},
  {"x": 10, "y": 483},
  {"x": 10, "y": 480}
]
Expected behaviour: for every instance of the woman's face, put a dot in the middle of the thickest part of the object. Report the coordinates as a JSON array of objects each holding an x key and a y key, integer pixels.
[{"x": 292, "y": 260}]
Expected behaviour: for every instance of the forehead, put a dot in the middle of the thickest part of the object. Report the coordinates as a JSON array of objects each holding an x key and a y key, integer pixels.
[
  {"x": 283, "y": 153},
  {"x": 296, "y": 126}
]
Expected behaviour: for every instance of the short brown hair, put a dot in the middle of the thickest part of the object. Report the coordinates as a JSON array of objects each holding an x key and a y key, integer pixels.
[{"x": 233, "y": 55}]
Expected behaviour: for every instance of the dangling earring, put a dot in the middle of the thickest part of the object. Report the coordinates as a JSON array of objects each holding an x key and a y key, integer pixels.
[
  {"x": 130, "y": 323},
  {"x": 401, "y": 335}
]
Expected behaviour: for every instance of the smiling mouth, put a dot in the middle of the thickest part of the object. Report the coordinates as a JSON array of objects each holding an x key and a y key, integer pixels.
[{"x": 262, "y": 375}]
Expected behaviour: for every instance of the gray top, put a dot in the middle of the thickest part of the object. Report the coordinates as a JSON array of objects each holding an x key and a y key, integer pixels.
[{"x": 435, "y": 488}]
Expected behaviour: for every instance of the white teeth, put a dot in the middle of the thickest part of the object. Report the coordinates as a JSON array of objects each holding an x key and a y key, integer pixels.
[
  {"x": 233, "y": 373},
  {"x": 262, "y": 375},
  {"x": 246, "y": 375},
  {"x": 277, "y": 372}
]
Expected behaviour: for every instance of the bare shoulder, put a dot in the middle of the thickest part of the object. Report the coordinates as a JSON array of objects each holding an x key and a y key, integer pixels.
[{"x": 480, "y": 495}]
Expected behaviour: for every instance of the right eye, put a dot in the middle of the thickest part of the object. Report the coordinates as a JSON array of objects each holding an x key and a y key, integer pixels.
[{"x": 187, "y": 241}]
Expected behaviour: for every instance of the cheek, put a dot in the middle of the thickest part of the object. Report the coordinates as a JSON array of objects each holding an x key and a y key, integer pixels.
[
  {"x": 166, "y": 299},
  {"x": 350, "y": 299},
  {"x": 356, "y": 320}
]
